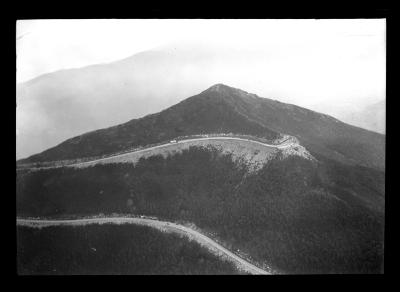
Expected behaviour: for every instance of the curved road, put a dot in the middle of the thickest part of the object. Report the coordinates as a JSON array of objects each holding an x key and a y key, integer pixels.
[
  {"x": 181, "y": 142},
  {"x": 280, "y": 146},
  {"x": 201, "y": 238}
]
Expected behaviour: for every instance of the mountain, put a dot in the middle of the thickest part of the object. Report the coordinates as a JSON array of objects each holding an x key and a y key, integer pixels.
[
  {"x": 56, "y": 106},
  {"x": 293, "y": 214},
  {"x": 223, "y": 109},
  {"x": 371, "y": 117}
]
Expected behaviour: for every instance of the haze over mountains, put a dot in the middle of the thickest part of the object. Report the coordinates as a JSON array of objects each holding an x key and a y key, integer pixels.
[
  {"x": 371, "y": 117},
  {"x": 63, "y": 104}
]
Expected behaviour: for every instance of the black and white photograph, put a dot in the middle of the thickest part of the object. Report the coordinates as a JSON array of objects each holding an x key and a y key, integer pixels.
[{"x": 163, "y": 146}]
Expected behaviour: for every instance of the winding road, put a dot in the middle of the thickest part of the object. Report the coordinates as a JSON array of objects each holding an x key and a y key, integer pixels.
[
  {"x": 155, "y": 223},
  {"x": 280, "y": 146},
  {"x": 77, "y": 164}
]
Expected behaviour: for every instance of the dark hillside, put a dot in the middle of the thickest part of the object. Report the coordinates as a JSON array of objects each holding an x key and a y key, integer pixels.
[
  {"x": 135, "y": 250},
  {"x": 294, "y": 215},
  {"x": 319, "y": 133}
]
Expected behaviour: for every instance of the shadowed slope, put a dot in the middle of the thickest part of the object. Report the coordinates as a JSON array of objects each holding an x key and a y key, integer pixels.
[
  {"x": 65, "y": 250},
  {"x": 293, "y": 215}
]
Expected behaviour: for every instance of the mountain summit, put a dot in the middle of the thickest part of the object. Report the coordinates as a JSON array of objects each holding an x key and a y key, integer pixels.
[
  {"x": 218, "y": 88},
  {"x": 222, "y": 88},
  {"x": 228, "y": 90},
  {"x": 224, "y": 109}
]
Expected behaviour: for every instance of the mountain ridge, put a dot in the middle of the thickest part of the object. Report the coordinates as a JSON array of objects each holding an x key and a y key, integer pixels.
[{"x": 221, "y": 108}]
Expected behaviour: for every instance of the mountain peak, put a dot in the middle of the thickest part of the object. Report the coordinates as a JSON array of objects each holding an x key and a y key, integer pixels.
[
  {"x": 219, "y": 87},
  {"x": 225, "y": 89}
]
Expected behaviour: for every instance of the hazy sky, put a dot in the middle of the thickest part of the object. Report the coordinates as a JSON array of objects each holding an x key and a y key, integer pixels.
[{"x": 48, "y": 45}]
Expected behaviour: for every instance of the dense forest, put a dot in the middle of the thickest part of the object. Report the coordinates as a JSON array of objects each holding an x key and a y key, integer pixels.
[
  {"x": 112, "y": 249},
  {"x": 294, "y": 215}
]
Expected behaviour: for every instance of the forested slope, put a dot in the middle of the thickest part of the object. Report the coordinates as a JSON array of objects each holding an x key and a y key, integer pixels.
[
  {"x": 295, "y": 215},
  {"x": 65, "y": 250}
]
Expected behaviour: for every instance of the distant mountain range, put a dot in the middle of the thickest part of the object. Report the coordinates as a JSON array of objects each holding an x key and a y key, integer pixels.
[{"x": 372, "y": 117}]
